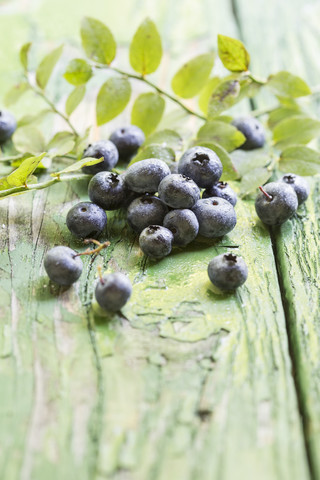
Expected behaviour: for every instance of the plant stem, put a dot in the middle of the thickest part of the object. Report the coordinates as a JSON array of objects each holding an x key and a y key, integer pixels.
[
  {"x": 41, "y": 186},
  {"x": 141, "y": 78}
]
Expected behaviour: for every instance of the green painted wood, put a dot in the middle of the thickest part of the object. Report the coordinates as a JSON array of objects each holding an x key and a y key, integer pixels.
[{"x": 188, "y": 383}]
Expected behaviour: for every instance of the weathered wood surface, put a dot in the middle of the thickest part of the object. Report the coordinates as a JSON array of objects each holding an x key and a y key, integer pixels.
[{"x": 188, "y": 384}]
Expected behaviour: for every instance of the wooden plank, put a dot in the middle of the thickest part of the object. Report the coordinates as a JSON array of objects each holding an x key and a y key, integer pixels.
[
  {"x": 297, "y": 242},
  {"x": 188, "y": 384}
]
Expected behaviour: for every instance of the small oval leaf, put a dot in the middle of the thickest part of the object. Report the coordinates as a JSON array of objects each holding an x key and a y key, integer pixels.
[
  {"x": 233, "y": 54},
  {"x": 13, "y": 95},
  {"x": 155, "y": 151},
  {"x": 253, "y": 179},
  {"x": 24, "y": 52},
  {"x": 61, "y": 144},
  {"x": 112, "y": 98},
  {"x": 29, "y": 139},
  {"x": 74, "y": 99},
  {"x": 300, "y": 160},
  {"x": 78, "y": 72},
  {"x": 46, "y": 67},
  {"x": 147, "y": 111},
  {"x": 206, "y": 92},
  {"x": 165, "y": 138},
  {"x": 287, "y": 85},
  {"x": 146, "y": 48},
  {"x": 222, "y": 133},
  {"x": 223, "y": 97},
  {"x": 229, "y": 171},
  {"x": 192, "y": 76},
  {"x": 84, "y": 162},
  {"x": 297, "y": 129},
  {"x": 97, "y": 41},
  {"x": 19, "y": 176}
]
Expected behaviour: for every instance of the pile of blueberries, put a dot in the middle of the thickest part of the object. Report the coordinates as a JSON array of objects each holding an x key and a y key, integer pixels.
[{"x": 164, "y": 206}]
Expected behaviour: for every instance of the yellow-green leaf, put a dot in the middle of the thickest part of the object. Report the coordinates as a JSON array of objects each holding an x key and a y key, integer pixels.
[
  {"x": 223, "y": 97},
  {"x": 294, "y": 130},
  {"x": 233, "y": 54},
  {"x": 253, "y": 179},
  {"x": 112, "y": 99},
  {"x": 146, "y": 48},
  {"x": 78, "y": 72},
  {"x": 29, "y": 139},
  {"x": 13, "y": 95},
  {"x": 147, "y": 111},
  {"x": 229, "y": 171},
  {"x": 165, "y": 138},
  {"x": 84, "y": 162},
  {"x": 227, "y": 136},
  {"x": 24, "y": 51},
  {"x": 61, "y": 144},
  {"x": 288, "y": 85},
  {"x": 97, "y": 41},
  {"x": 192, "y": 76},
  {"x": 46, "y": 67},
  {"x": 155, "y": 151},
  {"x": 74, "y": 99},
  {"x": 206, "y": 92},
  {"x": 19, "y": 176},
  {"x": 300, "y": 160}
]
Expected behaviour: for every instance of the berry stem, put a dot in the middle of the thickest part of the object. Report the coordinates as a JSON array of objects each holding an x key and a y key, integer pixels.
[
  {"x": 269, "y": 197},
  {"x": 95, "y": 251},
  {"x": 155, "y": 87}
]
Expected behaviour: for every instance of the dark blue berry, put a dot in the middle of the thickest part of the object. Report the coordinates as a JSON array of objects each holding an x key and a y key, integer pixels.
[
  {"x": 113, "y": 291},
  {"x": 156, "y": 241},
  {"x": 178, "y": 191},
  {"x": 105, "y": 149},
  {"x": 202, "y": 165},
  {"x": 276, "y": 203},
  {"x": 86, "y": 220},
  {"x": 145, "y": 176},
  {"x": 222, "y": 190},
  {"x": 127, "y": 140},
  {"x": 227, "y": 271},
  {"x": 8, "y": 126},
  {"x": 108, "y": 190},
  {"x": 299, "y": 185},
  {"x": 216, "y": 217},
  {"x": 183, "y": 224},
  {"x": 144, "y": 211},
  {"x": 62, "y": 265},
  {"x": 253, "y": 130}
]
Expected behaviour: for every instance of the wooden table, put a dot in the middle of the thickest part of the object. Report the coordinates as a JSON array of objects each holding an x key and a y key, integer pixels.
[{"x": 187, "y": 384}]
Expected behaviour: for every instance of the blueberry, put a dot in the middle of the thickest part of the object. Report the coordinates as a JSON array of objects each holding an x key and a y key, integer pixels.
[
  {"x": 86, "y": 220},
  {"x": 183, "y": 224},
  {"x": 62, "y": 265},
  {"x": 145, "y": 176},
  {"x": 127, "y": 140},
  {"x": 202, "y": 165},
  {"x": 276, "y": 203},
  {"x": 299, "y": 184},
  {"x": 156, "y": 241},
  {"x": 144, "y": 211},
  {"x": 216, "y": 216},
  {"x": 178, "y": 191},
  {"x": 227, "y": 271},
  {"x": 108, "y": 190},
  {"x": 222, "y": 190},
  {"x": 105, "y": 149},
  {"x": 8, "y": 126},
  {"x": 253, "y": 130},
  {"x": 113, "y": 291}
]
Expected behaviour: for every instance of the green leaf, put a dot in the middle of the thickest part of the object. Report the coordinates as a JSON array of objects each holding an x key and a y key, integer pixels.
[
  {"x": 147, "y": 111},
  {"x": 165, "y": 138},
  {"x": 74, "y": 99},
  {"x": 13, "y": 95},
  {"x": 233, "y": 54},
  {"x": 46, "y": 67},
  {"x": 78, "y": 72},
  {"x": 253, "y": 179},
  {"x": 15, "y": 158},
  {"x": 19, "y": 176},
  {"x": 61, "y": 144},
  {"x": 97, "y": 41},
  {"x": 294, "y": 130},
  {"x": 288, "y": 85},
  {"x": 227, "y": 136},
  {"x": 84, "y": 162},
  {"x": 112, "y": 99},
  {"x": 36, "y": 118},
  {"x": 192, "y": 76},
  {"x": 300, "y": 160},
  {"x": 281, "y": 113},
  {"x": 145, "y": 48},
  {"x": 223, "y": 97},
  {"x": 29, "y": 139},
  {"x": 24, "y": 51},
  {"x": 155, "y": 151},
  {"x": 206, "y": 92},
  {"x": 229, "y": 171},
  {"x": 245, "y": 161}
]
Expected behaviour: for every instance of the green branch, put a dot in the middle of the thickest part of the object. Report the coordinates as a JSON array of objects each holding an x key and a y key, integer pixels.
[{"x": 155, "y": 87}]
